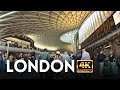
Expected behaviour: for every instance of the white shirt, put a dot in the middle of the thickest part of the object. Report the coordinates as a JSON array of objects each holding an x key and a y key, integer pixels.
[{"x": 85, "y": 56}]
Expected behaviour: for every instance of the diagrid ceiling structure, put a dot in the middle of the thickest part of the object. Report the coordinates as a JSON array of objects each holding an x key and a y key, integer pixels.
[{"x": 44, "y": 27}]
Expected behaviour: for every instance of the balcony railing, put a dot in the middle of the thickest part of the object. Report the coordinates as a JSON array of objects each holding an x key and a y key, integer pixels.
[{"x": 15, "y": 49}]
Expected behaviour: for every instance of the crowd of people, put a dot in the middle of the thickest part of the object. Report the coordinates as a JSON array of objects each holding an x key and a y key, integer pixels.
[
  {"x": 108, "y": 65},
  {"x": 43, "y": 55}
]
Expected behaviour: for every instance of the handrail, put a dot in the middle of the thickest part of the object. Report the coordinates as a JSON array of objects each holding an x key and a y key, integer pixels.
[{"x": 15, "y": 49}]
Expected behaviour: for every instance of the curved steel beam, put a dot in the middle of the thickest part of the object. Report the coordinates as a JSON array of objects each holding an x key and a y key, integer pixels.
[{"x": 7, "y": 14}]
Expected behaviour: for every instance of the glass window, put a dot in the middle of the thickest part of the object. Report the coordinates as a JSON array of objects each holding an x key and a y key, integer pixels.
[
  {"x": 116, "y": 17},
  {"x": 92, "y": 23}
]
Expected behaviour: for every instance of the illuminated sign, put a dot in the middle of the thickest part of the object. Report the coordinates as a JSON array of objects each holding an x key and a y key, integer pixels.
[{"x": 84, "y": 66}]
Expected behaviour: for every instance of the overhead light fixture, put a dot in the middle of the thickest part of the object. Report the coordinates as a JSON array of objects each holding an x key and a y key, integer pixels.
[
  {"x": 69, "y": 36},
  {"x": 108, "y": 46}
]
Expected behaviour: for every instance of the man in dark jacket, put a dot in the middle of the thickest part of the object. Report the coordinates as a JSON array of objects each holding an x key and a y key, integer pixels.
[{"x": 100, "y": 58}]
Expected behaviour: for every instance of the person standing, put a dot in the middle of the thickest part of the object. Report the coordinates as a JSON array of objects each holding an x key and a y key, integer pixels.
[
  {"x": 66, "y": 57},
  {"x": 74, "y": 57},
  {"x": 101, "y": 58},
  {"x": 113, "y": 63},
  {"x": 2, "y": 63},
  {"x": 58, "y": 57},
  {"x": 118, "y": 63},
  {"x": 85, "y": 55},
  {"x": 10, "y": 58},
  {"x": 20, "y": 57},
  {"x": 44, "y": 55},
  {"x": 111, "y": 57}
]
